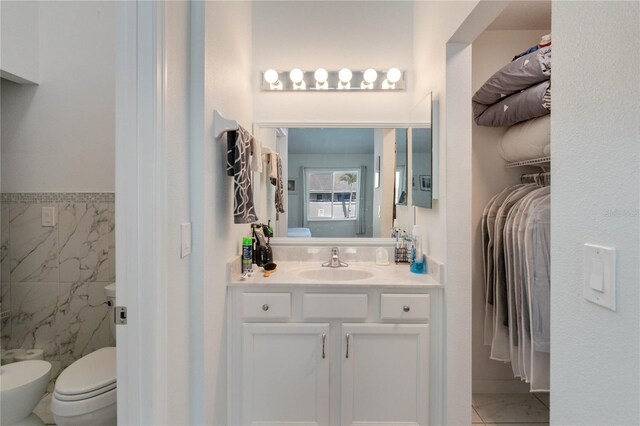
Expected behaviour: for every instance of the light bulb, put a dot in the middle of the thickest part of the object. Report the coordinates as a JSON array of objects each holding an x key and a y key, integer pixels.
[
  {"x": 296, "y": 75},
  {"x": 271, "y": 76},
  {"x": 321, "y": 75},
  {"x": 370, "y": 75},
  {"x": 345, "y": 75},
  {"x": 394, "y": 75}
]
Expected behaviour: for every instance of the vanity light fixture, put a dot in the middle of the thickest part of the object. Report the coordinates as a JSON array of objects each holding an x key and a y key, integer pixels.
[
  {"x": 369, "y": 76},
  {"x": 321, "y": 75},
  {"x": 321, "y": 79},
  {"x": 297, "y": 78},
  {"x": 344, "y": 75},
  {"x": 272, "y": 78}
]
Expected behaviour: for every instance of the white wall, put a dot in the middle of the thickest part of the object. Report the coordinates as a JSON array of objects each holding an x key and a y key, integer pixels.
[
  {"x": 221, "y": 79},
  {"x": 595, "y": 199},
  {"x": 491, "y": 51},
  {"x": 59, "y": 136},
  {"x": 176, "y": 153},
  {"x": 312, "y": 34},
  {"x": 19, "y": 35},
  {"x": 434, "y": 24},
  {"x": 439, "y": 69}
]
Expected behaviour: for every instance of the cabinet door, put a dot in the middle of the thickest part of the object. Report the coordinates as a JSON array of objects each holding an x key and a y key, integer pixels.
[
  {"x": 285, "y": 374},
  {"x": 385, "y": 374}
]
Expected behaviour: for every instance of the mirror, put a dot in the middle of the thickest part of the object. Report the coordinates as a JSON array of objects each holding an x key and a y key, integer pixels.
[
  {"x": 344, "y": 182},
  {"x": 401, "y": 194},
  {"x": 422, "y": 165}
]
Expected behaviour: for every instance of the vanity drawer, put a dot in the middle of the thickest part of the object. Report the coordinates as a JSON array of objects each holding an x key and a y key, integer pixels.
[
  {"x": 262, "y": 306},
  {"x": 404, "y": 307},
  {"x": 335, "y": 306}
]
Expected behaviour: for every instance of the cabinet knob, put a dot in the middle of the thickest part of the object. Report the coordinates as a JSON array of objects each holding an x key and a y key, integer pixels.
[
  {"x": 265, "y": 307},
  {"x": 406, "y": 308}
]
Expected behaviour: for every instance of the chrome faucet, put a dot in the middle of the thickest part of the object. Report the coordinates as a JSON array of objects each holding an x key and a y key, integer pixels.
[{"x": 335, "y": 261}]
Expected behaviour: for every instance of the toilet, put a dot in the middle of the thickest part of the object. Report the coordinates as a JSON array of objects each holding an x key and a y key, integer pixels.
[
  {"x": 85, "y": 392},
  {"x": 22, "y": 384}
]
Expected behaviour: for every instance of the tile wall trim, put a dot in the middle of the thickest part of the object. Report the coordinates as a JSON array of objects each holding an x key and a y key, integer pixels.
[{"x": 56, "y": 197}]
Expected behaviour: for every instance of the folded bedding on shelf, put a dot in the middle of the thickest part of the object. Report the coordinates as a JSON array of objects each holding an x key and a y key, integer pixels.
[
  {"x": 530, "y": 103},
  {"x": 524, "y": 72},
  {"x": 528, "y": 140}
]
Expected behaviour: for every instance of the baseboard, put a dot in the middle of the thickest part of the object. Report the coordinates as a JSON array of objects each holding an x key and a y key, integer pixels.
[{"x": 500, "y": 386}]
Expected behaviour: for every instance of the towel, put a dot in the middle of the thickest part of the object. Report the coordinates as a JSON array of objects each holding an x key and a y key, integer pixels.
[
  {"x": 256, "y": 156},
  {"x": 273, "y": 166},
  {"x": 231, "y": 151},
  {"x": 279, "y": 188},
  {"x": 243, "y": 207}
]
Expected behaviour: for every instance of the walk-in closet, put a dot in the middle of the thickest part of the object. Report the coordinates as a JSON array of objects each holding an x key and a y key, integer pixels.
[{"x": 511, "y": 184}]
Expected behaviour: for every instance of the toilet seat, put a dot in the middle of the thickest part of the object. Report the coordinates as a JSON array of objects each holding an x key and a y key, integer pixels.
[
  {"x": 87, "y": 385},
  {"x": 92, "y": 374}
]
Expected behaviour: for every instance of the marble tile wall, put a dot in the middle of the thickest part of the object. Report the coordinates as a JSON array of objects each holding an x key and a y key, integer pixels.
[{"x": 52, "y": 278}]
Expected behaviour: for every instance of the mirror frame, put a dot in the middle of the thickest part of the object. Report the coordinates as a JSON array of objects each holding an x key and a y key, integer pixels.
[{"x": 321, "y": 241}]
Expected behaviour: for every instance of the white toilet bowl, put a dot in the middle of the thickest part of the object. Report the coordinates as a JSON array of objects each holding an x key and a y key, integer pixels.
[
  {"x": 22, "y": 384},
  {"x": 85, "y": 392}
]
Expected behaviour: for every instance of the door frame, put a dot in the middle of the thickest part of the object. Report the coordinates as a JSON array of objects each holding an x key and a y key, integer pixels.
[{"x": 140, "y": 206}]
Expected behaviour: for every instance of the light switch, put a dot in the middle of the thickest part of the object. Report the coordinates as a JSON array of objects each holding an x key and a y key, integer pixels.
[
  {"x": 599, "y": 275},
  {"x": 185, "y": 239},
  {"x": 48, "y": 216}
]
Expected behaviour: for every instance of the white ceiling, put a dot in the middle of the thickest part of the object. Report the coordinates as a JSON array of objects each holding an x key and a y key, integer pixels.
[
  {"x": 330, "y": 141},
  {"x": 524, "y": 15}
]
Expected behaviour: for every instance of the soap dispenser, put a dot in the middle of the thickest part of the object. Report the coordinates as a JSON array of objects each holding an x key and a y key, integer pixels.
[{"x": 417, "y": 255}]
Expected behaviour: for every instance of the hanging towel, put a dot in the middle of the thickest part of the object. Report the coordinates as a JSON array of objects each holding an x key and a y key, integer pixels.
[
  {"x": 231, "y": 151},
  {"x": 256, "y": 156},
  {"x": 243, "y": 208},
  {"x": 273, "y": 166},
  {"x": 279, "y": 188}
]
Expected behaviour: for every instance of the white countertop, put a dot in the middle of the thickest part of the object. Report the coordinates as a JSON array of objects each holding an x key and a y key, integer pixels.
[{"x": 310, "y": 274}]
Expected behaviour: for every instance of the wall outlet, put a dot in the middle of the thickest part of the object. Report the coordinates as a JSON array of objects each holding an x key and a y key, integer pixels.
[{"x": 48, "y": 216}]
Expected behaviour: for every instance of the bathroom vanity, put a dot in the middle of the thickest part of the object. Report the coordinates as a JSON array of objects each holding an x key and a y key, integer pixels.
[{"x": 323, "y": 346}]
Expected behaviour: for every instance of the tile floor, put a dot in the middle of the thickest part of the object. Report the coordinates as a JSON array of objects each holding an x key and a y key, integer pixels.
[
  {"x": 43, "y": 409},
  {"x": 510, "y": 409},
  {"x": 487, "y": 409}
]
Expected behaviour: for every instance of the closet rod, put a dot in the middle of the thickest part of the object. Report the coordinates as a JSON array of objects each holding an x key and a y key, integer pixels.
[
  {"x": 222, "y": 125},
  {"x": 539, "y": 178}
]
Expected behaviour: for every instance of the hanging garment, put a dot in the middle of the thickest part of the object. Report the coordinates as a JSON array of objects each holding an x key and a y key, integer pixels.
[
  {"x": 488, "y": 234},
  {"x": 243, "y": 207},
  {"x": 279, "y": 189},
  {"x": 500, "y": 342},
  {"x": 537, "y": 256},
  {"x": 514, "y": 278}
]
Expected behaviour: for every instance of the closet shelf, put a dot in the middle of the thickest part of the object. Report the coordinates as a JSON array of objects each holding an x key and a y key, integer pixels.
[{"x": 534, "y": 162}]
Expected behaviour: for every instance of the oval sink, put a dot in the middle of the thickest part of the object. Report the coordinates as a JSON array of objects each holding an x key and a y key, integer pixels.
[{"x": 335, "y": 274}]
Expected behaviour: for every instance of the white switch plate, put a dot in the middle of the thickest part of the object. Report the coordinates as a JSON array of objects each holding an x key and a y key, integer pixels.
[
  {"x": 48, "y": 216},
  {"x": 185, "y": 239},
  {"x": 600, "y": 275}
]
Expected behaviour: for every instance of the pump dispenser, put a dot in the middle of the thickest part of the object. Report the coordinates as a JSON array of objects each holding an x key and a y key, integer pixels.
[{"x": 417, "y": 254}]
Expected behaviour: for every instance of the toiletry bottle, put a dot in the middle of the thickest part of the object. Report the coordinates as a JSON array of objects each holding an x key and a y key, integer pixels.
[
  {"x": 417, "y": 256},
  {"x": 247, "y": 254}
]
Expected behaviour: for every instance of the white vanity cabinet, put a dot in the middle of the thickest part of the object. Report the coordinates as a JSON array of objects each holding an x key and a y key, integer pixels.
[
  {"x": 313, "y": 355},
  {"x": 285, "y": 374},
  {"x": 385, "y": 374}
]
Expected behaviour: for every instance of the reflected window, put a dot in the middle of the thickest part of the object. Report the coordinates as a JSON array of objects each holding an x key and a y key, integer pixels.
[{"x": 332, "y": 194}]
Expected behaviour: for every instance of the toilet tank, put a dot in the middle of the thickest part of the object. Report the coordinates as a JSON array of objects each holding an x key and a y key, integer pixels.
[{"x": 110, "y": 292}]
